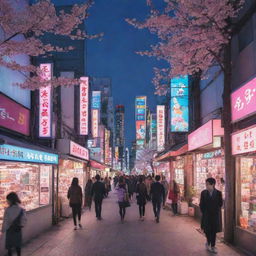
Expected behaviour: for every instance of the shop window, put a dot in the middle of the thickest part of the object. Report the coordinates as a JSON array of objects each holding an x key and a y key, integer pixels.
[
  {"x": 209, "y": 165},
  {"x": 246, "y": 190},
  {"x": 245, "y": 36},
  {"x": 30, "y": 181}
]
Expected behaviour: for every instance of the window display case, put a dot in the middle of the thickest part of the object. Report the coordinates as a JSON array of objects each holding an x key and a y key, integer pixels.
[
  {"x": 30, "y": 181},
  {"x": 179, "y": 177},
  {"x": 246, "y": 169},
  {"x": 209, "y": 165}
]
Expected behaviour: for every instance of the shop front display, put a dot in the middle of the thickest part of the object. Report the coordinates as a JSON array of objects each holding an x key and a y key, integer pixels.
[
  {"x": 179, "y": 173},
  {"x": 31, "y": 181},
  {"x": 209, "y": 165},
  {"x": 68, "y": 169}
]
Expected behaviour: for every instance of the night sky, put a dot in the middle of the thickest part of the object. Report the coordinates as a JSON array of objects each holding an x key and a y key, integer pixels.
[{"x": 115, "y": 56}]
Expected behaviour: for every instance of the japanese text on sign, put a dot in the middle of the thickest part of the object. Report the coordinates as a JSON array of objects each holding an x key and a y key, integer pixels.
[
  {"x": 45, "y": 102},
  {"x": 243, "y": 101},
  {"x": 160, "y": 127},
  {"x": 95, "y": 123},
  {"x": 244, "y": 141},
  {"x": 84, "y": 105},
  {"x": 79, "y": 151}
]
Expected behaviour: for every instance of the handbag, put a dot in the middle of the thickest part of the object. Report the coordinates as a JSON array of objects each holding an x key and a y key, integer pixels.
[{"x": 127, "y": 204}]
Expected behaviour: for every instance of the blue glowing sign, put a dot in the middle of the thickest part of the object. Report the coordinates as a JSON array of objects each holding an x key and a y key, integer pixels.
[
  {"x": 179, "y": 104},
  {"x": 96, "y": 99},
  {"x": 140, "y": 108},
  {"x": 13, "y": 153}
]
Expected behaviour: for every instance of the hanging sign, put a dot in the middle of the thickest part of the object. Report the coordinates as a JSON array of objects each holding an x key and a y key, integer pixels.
[{"x": 84, "y": 105}]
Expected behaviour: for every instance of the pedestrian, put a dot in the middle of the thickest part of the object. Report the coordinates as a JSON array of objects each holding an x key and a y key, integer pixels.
[
  {"x": 157, "y": 194},
  {"x": 106, "y": 183},
  {"x": 123, "y": 197},
  {"x": 88, "y": 194},
  {"x": 210, "y": 204},
  {"x": 13, "y": 222},
  {"x": 148, "y": 182},
  {"x": 98, "y": 193},
  {"x": 141, "y": 197},
  {"x": 75, "y": 196},
  {"x": 165, "y": 183},
  {"x": 174, "y": 196}
]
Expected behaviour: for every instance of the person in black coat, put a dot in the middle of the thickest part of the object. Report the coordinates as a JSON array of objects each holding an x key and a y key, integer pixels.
[
  {"x": 98, "y": 193},
  {"x": 157, "y": 193},
  {"x": 141, "y": 197},
  {"x": 210, "y": 204}
]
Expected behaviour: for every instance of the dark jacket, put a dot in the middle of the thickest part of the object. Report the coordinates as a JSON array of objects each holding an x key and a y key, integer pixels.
[
  {"x": 88, "y": 189},
  {"x": 211, "y": 211},
  {"x": 157, "y": 192},
  {"x": 75, "y": 195},
  {"x": 98, "y": 190},
  {"x": 141, "y": 191}
]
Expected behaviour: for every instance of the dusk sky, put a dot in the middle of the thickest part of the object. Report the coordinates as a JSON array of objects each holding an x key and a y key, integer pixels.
[{"x": 115, "y": 56}]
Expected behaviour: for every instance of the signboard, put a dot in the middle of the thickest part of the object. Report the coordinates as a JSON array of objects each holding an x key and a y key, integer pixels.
[
  {"x": 201, "y": 137},
  {"x": 153, "y": 126},
  {"x": 243, "y": 101},
  {"x": 160, "y": 127},
  {"x": 179, "y": 104},
  {"x": 107, "y": 147},
  {"x": 140, "y": 108},
  {"x": 13, "y": 153},
  {"x": 95, "y": 153},
  {"x": 84, "y": 105},
  {"x": 79, "y": 151},
  {"x": 140, "y": 130},
  {"x": 13, "y": 116},
  {"x": 44, "y": 185},
  {"x": 45, "y": 109},
  {"x": 96, "y": 99},
  {"x": 244, "y": 141},
  {"x": 95, "y": 123}
]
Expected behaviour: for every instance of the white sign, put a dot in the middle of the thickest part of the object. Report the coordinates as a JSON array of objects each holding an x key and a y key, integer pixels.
[
  {"x": 45, "y": 102},
  {"x": 95, "y": 123},
  {"x": 160, "y": 127},
  {"x": 84, "y": 105},
  {"x": 244, "y": 141},
  {"x": 79, "y": 151}
]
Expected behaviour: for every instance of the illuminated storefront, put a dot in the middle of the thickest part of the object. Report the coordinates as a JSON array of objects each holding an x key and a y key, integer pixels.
[{"x": 27, "y": 172}]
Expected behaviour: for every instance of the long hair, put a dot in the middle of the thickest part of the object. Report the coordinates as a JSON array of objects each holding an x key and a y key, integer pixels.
[
  {"x": 74, "y": 182},
  {"x": 13, "y": 198}
]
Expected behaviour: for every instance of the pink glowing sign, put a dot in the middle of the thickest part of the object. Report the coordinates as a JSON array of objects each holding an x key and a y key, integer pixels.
[
  {"x": 243, "y": 101},
  {"x": 95, "y": 123},
  {"x": 45, "y": 103},
  {"x": 13, "y": 116},
  {"x": 244, "y": 141},
  {"x": 160, "y": 127},
  {"x": 201, "y": 137},
  {"x": 79, "y": 151},
  {"x": 84, "y": 105}
]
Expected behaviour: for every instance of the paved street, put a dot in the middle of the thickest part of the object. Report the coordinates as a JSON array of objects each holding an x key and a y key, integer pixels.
[{"x": 172, "y": 236}]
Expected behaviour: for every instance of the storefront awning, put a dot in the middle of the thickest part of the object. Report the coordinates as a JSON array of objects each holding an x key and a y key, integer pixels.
[
  {"x": 177, "y": 150},
  {"x": 97, "y": 165}
]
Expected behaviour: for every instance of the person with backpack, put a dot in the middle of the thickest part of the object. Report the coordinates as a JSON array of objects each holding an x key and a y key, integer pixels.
[
  {"x": 75, "y": 196},
  {"x": 13, "y": 222},
  {"x": 141, "y": 191}
]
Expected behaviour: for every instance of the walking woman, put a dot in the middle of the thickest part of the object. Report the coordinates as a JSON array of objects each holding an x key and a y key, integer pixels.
[
  {"x": 141, "y": 191},
  {"x": 75, "y": 197},
  {"x": 88, "y": 194},
  {"x": 14, "y": 221},
  {"x": 122, "y": 195},
  {"x": 173, "y": 195}
]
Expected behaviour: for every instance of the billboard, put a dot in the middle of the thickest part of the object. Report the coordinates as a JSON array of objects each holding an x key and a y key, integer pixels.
[
  {"x": 140, "y": 130},
  {"x": 140, "y": 108},
  {"x": 13, "y": 116},
  {"x": 153, "y": 126},
  {"x": 95, "y": 123},
  {"x": 45, "y": 95},
  {"x": 107, "y": 147},
  {"x": 179, "y": 104},
  {"x": 84, "y": 105},
  {"x": 96, "y": 99},
  {"x": 160, "y": 127},
  {"x": 243, "y": 101}
]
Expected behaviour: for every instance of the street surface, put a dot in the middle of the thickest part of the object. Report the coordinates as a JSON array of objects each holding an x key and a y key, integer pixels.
[{"x": 177, "y": 236}]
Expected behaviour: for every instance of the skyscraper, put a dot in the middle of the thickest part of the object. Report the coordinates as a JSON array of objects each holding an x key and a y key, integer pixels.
[{"x": 119, "y": 133}]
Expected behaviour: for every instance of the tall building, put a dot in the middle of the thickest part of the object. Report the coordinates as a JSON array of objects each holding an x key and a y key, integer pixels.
[{"x": 119, "y": 133}]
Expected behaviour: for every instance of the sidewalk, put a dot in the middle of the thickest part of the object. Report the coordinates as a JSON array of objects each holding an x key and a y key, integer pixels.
[{"x": 177, "y": 236}]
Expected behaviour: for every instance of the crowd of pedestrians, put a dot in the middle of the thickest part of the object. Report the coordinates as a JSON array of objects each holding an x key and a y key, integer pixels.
[{"x": 155, "y": 189}]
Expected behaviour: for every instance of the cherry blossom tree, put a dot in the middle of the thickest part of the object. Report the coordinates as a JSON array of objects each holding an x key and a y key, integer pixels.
[
  {"x": 145, "y": 159},
  {"x": 21, "y": 31},
  {"x": 193, "y": 36}
]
